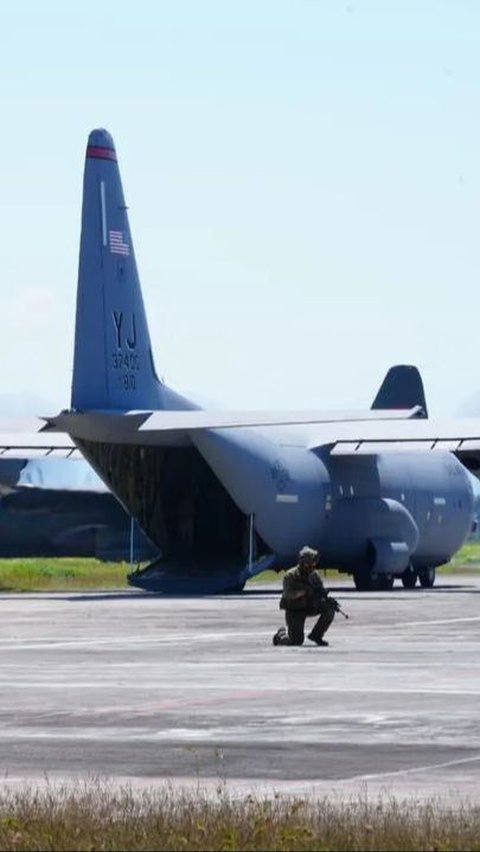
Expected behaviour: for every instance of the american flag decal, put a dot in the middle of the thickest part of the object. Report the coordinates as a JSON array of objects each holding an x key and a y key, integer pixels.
[{"x": 117, "y": 243}]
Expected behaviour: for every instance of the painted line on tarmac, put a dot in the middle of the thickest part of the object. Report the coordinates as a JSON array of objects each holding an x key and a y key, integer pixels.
[
  {"x": 414, "y": 769},
  {"x": 425, "y": 622},
  {"x": 186, "y": 638},
  {"x": 287, "y": 786},
  {"x": 103, "y": 683},
  {"x": 177, "y": 638},
  {"x": 126, "y": 642},
  {"x": 331, "y": 664}
]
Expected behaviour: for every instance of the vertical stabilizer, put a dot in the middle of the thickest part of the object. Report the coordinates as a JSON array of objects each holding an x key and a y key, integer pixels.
[
  {"x": 113, "y": 364},
  {"x": 402, "y": 387}
]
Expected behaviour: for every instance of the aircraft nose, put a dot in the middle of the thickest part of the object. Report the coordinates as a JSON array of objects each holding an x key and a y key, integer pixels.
[{"x": 101, "y": 138}]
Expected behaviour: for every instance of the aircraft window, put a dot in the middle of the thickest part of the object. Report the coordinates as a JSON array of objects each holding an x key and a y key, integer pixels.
[
  {"x": 328, "y": 505},
  {"x": 340, "y": 490},
  {"x": 402, "y": 497},
  {"x": 429, "y": 515},
  {"x": 352, "y": 492}
]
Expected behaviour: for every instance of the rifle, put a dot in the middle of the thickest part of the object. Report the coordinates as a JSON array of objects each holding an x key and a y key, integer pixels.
[
  {"x": 319, "y": 599},
  {"x": 337, "y": 607}
]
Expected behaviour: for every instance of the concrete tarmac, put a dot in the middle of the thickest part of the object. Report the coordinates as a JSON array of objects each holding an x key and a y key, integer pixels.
[{"x": 143, "y": 689}]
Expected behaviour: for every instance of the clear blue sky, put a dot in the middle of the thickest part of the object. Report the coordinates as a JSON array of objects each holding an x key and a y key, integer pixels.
[{"x": 304, "y": 188}]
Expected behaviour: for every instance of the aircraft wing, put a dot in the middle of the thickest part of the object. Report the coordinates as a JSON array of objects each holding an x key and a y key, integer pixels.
[
  {"x": 174, "y": 428},
  {"x": 461, "y": 437},
  {"x": 22, "y": 438},
  {"x": 344, "y": 433},
  {"x": 36, "y": 437}
]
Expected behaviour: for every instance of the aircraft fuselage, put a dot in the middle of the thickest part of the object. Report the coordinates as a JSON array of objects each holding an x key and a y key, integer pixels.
[
  {"x": 389, "y": 509},
  {"x": 381, "y": 513}
]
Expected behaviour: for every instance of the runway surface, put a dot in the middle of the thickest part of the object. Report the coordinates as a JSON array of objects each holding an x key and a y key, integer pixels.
[{"x": 143, "y": 689}]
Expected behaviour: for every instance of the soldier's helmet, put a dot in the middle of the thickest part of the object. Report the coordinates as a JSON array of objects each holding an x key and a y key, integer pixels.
[{"x": 307, "y": 555}]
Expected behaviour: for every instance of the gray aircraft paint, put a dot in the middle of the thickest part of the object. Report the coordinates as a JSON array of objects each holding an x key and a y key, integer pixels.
[{"x": 195, "y": 491}]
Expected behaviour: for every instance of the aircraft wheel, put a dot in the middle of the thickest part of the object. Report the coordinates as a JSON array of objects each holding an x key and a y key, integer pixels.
[
  {"x": 409, "y": 578},
  {"x": 427, "y": 578},
  {"x": 384, "y": 582},
  {"x": 363, "y": 579}
]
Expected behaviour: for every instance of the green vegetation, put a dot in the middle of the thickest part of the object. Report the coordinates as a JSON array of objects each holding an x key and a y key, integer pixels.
[
  {"x": 270, "y": 576},
  {"x": 91, "y": 817},
  {"x": 45, "y": 575},
  {"x": 466, "y": 558}
]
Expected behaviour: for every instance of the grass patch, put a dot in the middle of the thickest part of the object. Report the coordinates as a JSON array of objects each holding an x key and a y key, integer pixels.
[
  {"x": 270, "y": 576},
  {"x": 467, "y": 557},
  {"x": 41, "y": 575},
  {"x": 94, "y": 817},
  {"x": 71, "y": 574}
]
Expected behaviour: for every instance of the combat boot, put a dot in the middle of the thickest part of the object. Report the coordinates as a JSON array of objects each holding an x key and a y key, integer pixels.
[
  {"x": 318, "y": 640},
  {"x": 281, "y": 632}
]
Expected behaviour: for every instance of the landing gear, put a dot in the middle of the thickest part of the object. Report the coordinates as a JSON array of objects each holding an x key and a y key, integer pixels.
[
  {"x": 427, "y": 577},
  {"x": 367, "y": 580},
  {"x": 362, "y": 577},
  {"x": 409, "y": 578},
  {"x": 383, "y": 582}
]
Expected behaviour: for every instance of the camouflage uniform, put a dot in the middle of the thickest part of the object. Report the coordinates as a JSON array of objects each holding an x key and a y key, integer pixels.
[{"x": 304, "y": 595}]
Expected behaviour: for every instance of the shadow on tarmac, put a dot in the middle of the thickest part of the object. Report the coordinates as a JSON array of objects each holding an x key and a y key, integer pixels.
[
  {"x": 264, "y": 593},
  {"x": 103, "y": 596},
  {"x": 399, "y": 590},
  {"x": 250, "y": 592}
]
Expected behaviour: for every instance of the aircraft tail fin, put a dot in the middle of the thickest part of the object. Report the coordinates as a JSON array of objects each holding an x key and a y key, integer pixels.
[
  {"x": 113, "y": 364},
  {"x": 402, "y": 387}
]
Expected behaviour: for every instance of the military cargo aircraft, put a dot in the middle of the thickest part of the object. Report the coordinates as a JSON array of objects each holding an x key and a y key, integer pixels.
[
  {"x": 381, "y": 494},
  {"x": 56, "y": 507}
]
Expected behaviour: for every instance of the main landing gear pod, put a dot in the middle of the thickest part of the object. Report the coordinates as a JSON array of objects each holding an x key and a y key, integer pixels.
[{"x": 385, "y": 560}]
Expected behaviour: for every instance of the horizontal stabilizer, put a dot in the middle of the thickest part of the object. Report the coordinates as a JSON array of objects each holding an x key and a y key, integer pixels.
[
  {"x": 193, "y": 420},
  {"x": 24, "y": 438},
  {"x": 379, "y": 432},
  {"x": 41, "y": 437},
  {"x": 174, "y": 428}
]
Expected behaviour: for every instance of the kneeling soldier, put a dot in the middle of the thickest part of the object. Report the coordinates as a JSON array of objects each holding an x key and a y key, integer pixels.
[{"x": 304, "y": 595}]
